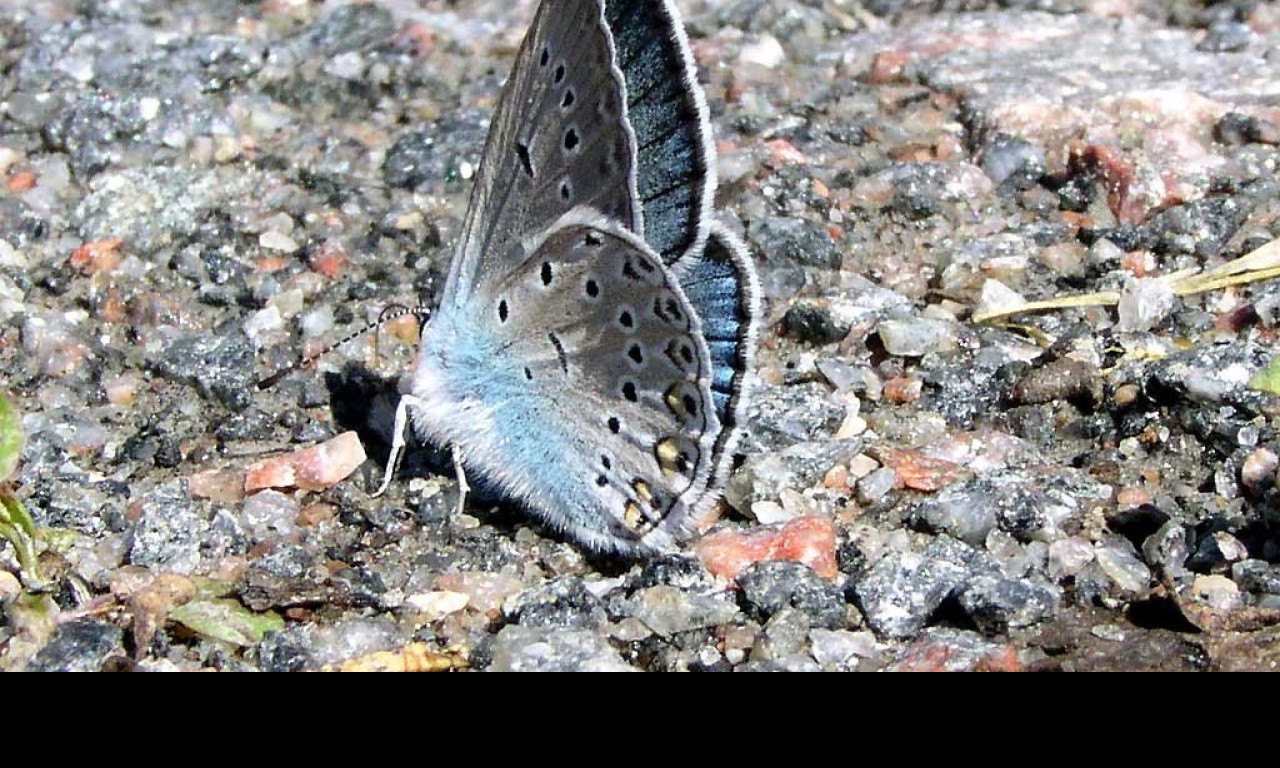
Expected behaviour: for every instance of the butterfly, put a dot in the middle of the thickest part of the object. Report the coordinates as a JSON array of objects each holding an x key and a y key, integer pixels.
[{"x": 590, "y": 352}]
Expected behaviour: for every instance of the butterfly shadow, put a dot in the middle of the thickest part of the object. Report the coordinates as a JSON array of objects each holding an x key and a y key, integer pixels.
[{"x": 365, "y": 403}]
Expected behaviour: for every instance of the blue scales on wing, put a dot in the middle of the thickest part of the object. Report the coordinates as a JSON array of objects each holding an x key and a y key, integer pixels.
[
  {"x": 720, "y": 286},
  {"x": 667, "y": 111}
]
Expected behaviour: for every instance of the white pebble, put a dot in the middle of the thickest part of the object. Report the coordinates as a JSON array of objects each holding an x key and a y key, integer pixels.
[
  {"x": 996, "y": 297},
  {"x": 278, "y": 241},
  {"x": 1145, "y": 304},
  {"x": 148, "y": 108},
  {"x": 436, "y": 605},
  {"x": 766, "y": 52},
  {"x": 11, "y": 257},
  {"x": 317, "y": 323}
]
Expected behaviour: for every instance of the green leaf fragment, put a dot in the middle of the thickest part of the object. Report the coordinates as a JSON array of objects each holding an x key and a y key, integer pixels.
[
  {"x": 17, "y": 527},
  {"x": 1268, "y": 379},
  {"x": 226, "y": 621},
  {"x": 11, "y": 438}
]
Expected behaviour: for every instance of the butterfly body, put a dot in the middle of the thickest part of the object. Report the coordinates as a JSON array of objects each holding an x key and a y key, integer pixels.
[{"x": 589, "y": 354}]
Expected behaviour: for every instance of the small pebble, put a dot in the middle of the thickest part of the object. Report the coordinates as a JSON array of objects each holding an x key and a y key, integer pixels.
[{"x": 311, "y": 469}]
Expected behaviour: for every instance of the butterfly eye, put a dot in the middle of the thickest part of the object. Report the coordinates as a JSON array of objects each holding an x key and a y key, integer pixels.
[
  {"x": 546, "y": 273},
  {"x": 566, "y": 190},
  {"x": 571, "y": 140},
  {"x": 546, "y": 57},
  {"x": 592, "y": 289},
  {"x": 569, "y": 98},
  {"x": 559, "y": 74},
  {"x": 615, "y": 426},
  {"x": 503, "y": 311}
]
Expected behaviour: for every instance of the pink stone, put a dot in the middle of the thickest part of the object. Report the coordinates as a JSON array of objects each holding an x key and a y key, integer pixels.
[
  {"x": 807, "y": 540},
  {"x": 223, "y": 485},
  {"x": 312, "y": 469}
]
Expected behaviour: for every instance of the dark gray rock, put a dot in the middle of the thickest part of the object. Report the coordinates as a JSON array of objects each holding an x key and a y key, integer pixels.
[
  {"x": 769, "y": 587},
  {"x": 813, "y": 324},
  {"x": 1216, "y": 374},
  {"x": 796, "y": 241},
  {"x": 435, "y": 153},
  {"x": 683, "y": 572},
  {"x": 899, "y": 594},
  {"x": 1257, "y": 576},
  {"x": 171, "y": 531},
  {"x": 1201, "y": 228},
  {"x": 997, "y": 604},
  {"x": 565, "y": 602},
  {"x": 288, "y": 650},
  {"x": 219, "y": 367},
  {"x": 777, "y": 417},
  {"x": 79, "y": 646}
]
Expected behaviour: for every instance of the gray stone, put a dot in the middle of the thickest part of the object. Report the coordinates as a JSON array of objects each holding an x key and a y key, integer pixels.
[
  {"x": 542, "y": 649},
  {"x": 798, "y": 241},
  {"x": 901, "y": 592},
  {"x": 171, "y": 531},
  {"x": 565, "y": 602},
  {"x": 997, "y": 604},
  {"x": 219, "y": 367},
  {"x": 918, "y": 337},
  {"x": 765, "y": 476},
  {"x": 1120, "y": 562},
  {"x": 668, "y": 611}
]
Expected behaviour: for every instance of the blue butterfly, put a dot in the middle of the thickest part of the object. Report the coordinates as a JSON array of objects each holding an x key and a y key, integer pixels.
[{"x": 590, "y": 352}]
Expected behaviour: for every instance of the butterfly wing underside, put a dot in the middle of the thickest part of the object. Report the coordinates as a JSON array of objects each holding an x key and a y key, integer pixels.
[
  {"x": 675, "y": 166},
  {"x": 590, "y": 353},
  {"x": 559, "y": 140},
  {"x": 612, "y": 390}
]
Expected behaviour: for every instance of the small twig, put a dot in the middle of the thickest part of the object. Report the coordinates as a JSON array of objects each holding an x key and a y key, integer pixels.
[{"x": 1262, "y": 264}]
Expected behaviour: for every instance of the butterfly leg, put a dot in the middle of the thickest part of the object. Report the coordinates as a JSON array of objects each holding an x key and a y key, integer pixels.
[
  {"x": 463, "y": 487},
  {"x": 398, "y": 440}
]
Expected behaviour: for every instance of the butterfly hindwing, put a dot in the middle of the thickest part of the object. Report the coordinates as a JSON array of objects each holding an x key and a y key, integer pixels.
[
  {"x": 675, "y": 167},
  {"x": 589, "y": 395},
  {"x": 721, "y": 286}
]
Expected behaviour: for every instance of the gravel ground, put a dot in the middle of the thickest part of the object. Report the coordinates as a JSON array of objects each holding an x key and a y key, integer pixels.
[{"x": 198, "y": 192}]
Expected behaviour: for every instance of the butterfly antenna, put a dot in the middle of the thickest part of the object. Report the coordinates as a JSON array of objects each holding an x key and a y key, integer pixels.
[{"x": 390, "y": 314}]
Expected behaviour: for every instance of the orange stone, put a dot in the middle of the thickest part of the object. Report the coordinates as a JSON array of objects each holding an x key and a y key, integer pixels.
[
  {"x": 312, "y": 469},
  {"x": 919, "y": 472},
  {"x": 784, "y": 152},
  {"x": 807, "y": 540},
  {"x": 21, "y": 182},
  {"x": 100, "y": 256}
]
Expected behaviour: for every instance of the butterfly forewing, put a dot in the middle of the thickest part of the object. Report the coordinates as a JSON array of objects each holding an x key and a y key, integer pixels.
[
  {"x": 675, "y": 166},
  {"x": 560, "y": 140}
]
